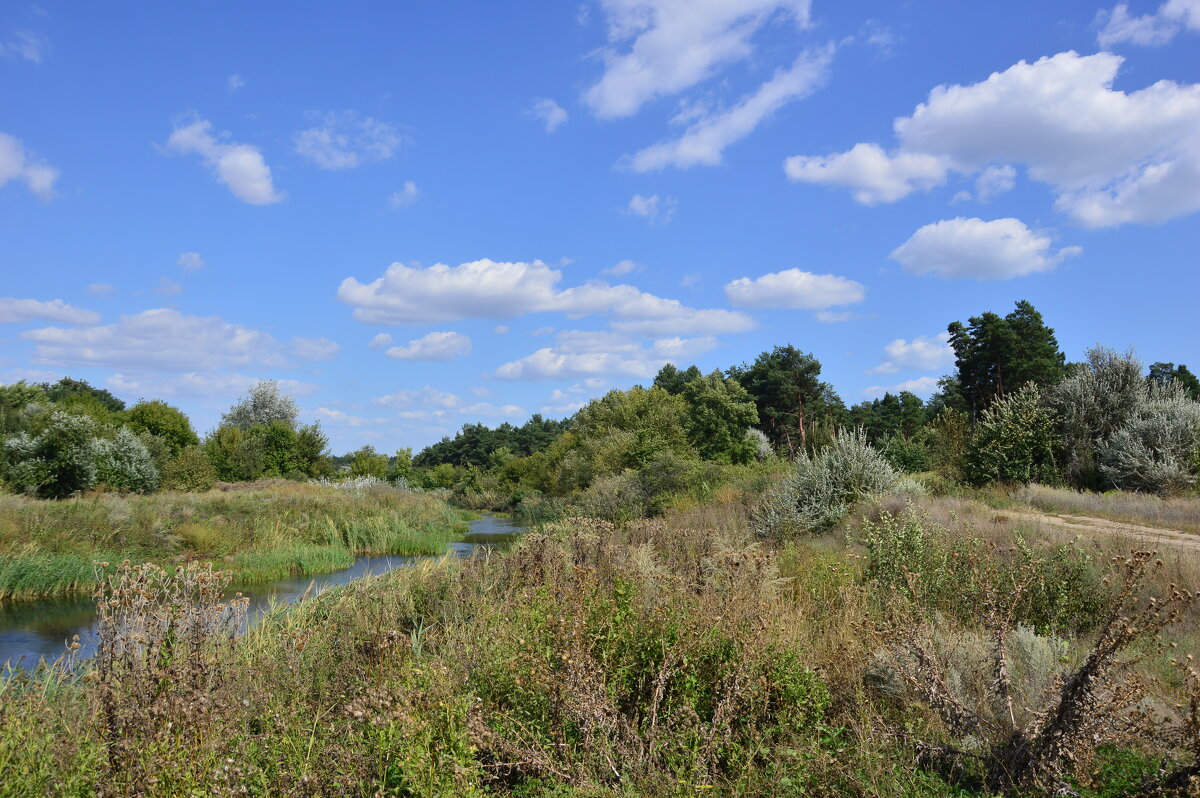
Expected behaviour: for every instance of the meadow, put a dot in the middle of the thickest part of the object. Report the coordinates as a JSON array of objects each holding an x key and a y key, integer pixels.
[{"x": 260, "y": 531}]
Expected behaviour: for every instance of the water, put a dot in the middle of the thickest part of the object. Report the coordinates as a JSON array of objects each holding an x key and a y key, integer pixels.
[{"x": 34, "y": 630}]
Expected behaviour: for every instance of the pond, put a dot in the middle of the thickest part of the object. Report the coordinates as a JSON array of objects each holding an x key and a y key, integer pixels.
[{"x": 35, "y": 630}]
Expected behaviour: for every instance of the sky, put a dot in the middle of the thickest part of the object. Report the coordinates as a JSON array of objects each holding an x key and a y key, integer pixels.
[{"x": 419, "y": 215}]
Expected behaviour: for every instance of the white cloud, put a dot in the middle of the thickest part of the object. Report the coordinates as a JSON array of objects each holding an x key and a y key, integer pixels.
[
  {"x": 621, "y": 268},
  {"x": 675, "y": 44},
  {"x": 579, "y": 353},
  {"x": 405, "y": 197},
  {"x": 1148, "y": 30},
  {"x": 314, "y": 349},
  {"x": 972, "y": 248},
  {"x": 922, "y": 386},
  {"x": 160, "y": 339},
  {"x": 13, "y": 311},
  {"x": 919, "y": 354},
  {"x": 490, "y": 289},
  {"x": 995, "y": 180},
  {"x": 1110, "y": 157},
  {"x": 501, "y": 329},
  {"x": 834, "y": 316},
  {"x": 380, "y": 340},
  {"x": 336, "y": 416},
  {"x": 428, "y": 397},
  {"x": 871, "y": 173},
  {"x": 240, "y": 167},
  {"x": 196, "y": 385},
  {"x": 191, "y": 262},
  {"x": 550, "y": 113},
  {"x": 17, "y": 164},
  {"x": 705, "y": 140},
  {"x": 489, "y": 410},
  {"x": 235, "y": 82},
  {"x": 25, "y": 44},
  {"x": 346, "y": 139},
  {"x": 167, "y": 287},
  {"x": 795, "y": 289},
  {"x": 654, "y": 208},
  {"x": 100, "y": 289},
  {"x": 437, "y": 346}
]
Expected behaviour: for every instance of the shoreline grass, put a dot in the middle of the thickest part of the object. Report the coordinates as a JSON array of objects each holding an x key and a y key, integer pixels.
[{"x": 262, "y": 533}]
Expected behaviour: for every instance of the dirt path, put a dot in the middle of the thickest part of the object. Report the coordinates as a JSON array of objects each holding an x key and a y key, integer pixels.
[{"x": 1146, "y": 535}]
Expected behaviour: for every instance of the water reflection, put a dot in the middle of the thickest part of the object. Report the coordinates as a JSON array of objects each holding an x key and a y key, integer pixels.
[{"x": 35, "y": 630}]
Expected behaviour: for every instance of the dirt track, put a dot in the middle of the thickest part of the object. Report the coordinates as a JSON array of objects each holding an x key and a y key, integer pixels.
[{"x": 1145, "y": 535}]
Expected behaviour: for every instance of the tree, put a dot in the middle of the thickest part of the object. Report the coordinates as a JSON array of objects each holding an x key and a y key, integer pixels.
[
  {"x": 1158, "y": 448},
  {"x": 369, "y": 463},
  {"x": 123, "y": 463},
  {"x": 58, "y": 462},
  {"x": 190, "y": 471},
  {"x": 718, "y": 414},
  {"x": 673, "y": 381},
  {"x": 790, "y": 399},
  {"x": 65, "y": 389},
  {"x": 169, "y": 423},
  {"x": 1016, "y": 440},
  {"x": 17, "y": 403},
  {"x": 996, "y": 356},
  {"x": 626, "y": 429},
  {"x": 1163, "y": 373},
  {"x": 263, "y": 404},
  {"x": 312, "y": 450},
  {"x": 894, "y": 414}
]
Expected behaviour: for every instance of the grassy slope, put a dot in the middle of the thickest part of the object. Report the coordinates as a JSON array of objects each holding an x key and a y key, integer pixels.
[{"x": 262, "y": 532}]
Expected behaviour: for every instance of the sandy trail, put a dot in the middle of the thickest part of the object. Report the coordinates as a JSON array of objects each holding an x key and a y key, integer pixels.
[{"x": 1149, "y": 535}]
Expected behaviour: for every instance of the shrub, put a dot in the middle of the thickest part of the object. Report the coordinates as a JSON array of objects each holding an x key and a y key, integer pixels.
[
  {"x": 1156, "y": 451},
  {"x": 125, "y": 464},
  {"x": 617, "y": 498},
  {"x": 190, "y": 471},
  {"x": 58, "y": 462},
  {"x": 1016, "y": 440},
  {"x": 167, "y": 422},
  {"x": 823, "y": 487}
]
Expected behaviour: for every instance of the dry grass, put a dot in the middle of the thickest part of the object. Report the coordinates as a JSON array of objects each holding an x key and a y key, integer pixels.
[{"x": 1180, "y": 513}]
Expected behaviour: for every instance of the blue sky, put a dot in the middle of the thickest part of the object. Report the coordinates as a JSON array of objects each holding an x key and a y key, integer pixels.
[{"x": 416, "y": 215}]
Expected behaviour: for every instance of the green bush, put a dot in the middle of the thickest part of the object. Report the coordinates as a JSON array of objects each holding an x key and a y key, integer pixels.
[
  {"x": 58, "y": 462},
  {"x": 164, "y": 421},
  {"x": 125, "y": 464},
  {"x": 1016, "y": 440},
  {"x": 190, "y": 471}
]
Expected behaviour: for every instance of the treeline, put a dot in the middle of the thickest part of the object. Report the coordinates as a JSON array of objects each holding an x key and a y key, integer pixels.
[{"x": 65, "y": 438}]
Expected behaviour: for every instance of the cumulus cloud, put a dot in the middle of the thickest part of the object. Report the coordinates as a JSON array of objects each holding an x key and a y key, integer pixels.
[
  {"x": 873, "y": 175},
  {"x": 1148, "y": 30},
  {"x": 17, "y": 164},
  {"x": 550, "y": 113},
  {"x": 436, "y": 346},
  {"x": 1110, "y": 157},
  {"x": 346, "y": 139},
  {"x": 621, "y": 268},
  {"x": 406, "y": 196},
  {"x": 428, "y": 397},
  {"x": 314, "y": 349},
  {"x": 159, "y": 339},
  {"x": 495, "y": 290},
  {"x": 489, "y": 410},
  {"x": 919, "y": 354},
  {"x": 653, "y": 208},
  {"x": 579, "y": 353},
  {"x": 995, "y": 180},
  {"x": 336, "y": 416},
  {"x": 380, "y": 340},
  {"x": 922, "y": 386},
  {"x": 191, "y": 262},
  {"x": 240, "y": 167},
  {"x": 793, "y": 288},
  {"x": 14, "y": 311},
  {"x": 972, "y": 248},
  {"x": 196, "y": 385},
  {"x": 705, "y": 140},
  {"x": 661, "y": 47},
  {"x": 25, "y": 44}
]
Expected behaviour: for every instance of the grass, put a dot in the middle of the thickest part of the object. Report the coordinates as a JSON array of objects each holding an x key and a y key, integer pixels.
[
  {"x": 262, "y": 532},
  {"x": 674, "y": 657}
]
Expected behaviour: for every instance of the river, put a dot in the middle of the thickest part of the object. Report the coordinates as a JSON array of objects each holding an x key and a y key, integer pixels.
[{"x": 35, "y": 630}]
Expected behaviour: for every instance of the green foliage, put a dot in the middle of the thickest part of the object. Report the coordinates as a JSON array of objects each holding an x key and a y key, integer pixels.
[
  {"x": 474, "y": 444},
  {"x": 234, "y": 454},
  {"x": 996, "y": 356},
  {"x": 18, "y": 401},
  {"x": 58, "y": 462},
  {"x": 672, "y": 380},
  {"x": 164, "y": 421},
  {"x": 369, "y": 463},
  {"x": 262, "y": 405},
  {"x": 908, "y": 455},
  {"x": 124, "y": 464},
  {"x": 627, "y": 429},
  {"x": 946, "y": 440},
  {"x": 1158, "y": 448},
  {"x": 1162, "y": 374},
  {"x": 190, "y": 471},
  {"x": 792, "y": 402},
  {"x": 67, "y": 389},
  {"x": 719, "y": 411},
  {"x": 894, "y": 414},
  {"x": 1016, "y": 440}
]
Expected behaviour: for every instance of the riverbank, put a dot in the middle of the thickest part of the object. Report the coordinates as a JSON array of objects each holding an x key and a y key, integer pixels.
[{"x": 261, "y": 532}]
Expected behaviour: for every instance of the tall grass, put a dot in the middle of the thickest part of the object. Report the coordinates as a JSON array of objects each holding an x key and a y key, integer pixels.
[{"x": 261, "y": 531}]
